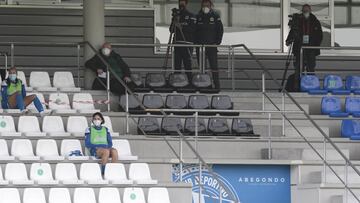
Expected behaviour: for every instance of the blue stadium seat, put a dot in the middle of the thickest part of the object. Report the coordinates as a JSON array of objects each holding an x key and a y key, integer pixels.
[
  {"x": 353, "y": 84},
  {"x": 311, "y": 84},
  {"x": 332, "y": 106},
  {"x": 334, "y": 84},
  {"x": 352, "y": 106},
  {"x": 350, "y": 129}
]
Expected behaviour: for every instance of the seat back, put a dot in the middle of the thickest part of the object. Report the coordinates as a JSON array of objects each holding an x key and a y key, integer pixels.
[
  {"x": 218, "y": 126},
  {"x": 7, "y": 124},
  {"x": 39, "y": 79},
  {"x": 41, "y": 171},
  {"x": 132, "y": 102},
  {"x": 333, "y": 82},
  {"x": 83, "y": 101},
  {"x": 53, "y": 124},
  {"x": 133, "y": 195},
  {"x": 16, "y": 172},
  {"x": 222, "y": 102},
  {"x": 137, "y": 80},
  {"x": 108, "y": 123},
  {"x": 148, "y": 125},
  {"x": 158, "y": 195},
  {"x": 109, "y": 195},
  {"x": 65, "y": 172},
  {"x": 153, "y": 101},
  {"x": 171, "y": 125},
  {"x": 63, "y": 79},
  {"x": 59, "y": 195},
  {"x": 115, "y": 171},
  {"x": 139, "y": 171},
  {"x": 198, "y": 102},
  {"x": 155, "y": 80},
  {"x": 123, "y": 147},
  {"x": 77, "y": 124},
  {"x": 21, "y": 147},
  {"x": 330, "y": 105},
  {"x": 28, "y": 124},
  {"x": 178, "y": 80},
  {"x": 22, "y": 77},
  {"x": 352, "y": 104},
  {"x": 46, "y": 147},
  {"x": 68, "y": 146},
  {"x": 352, "y": 83},
  {"x": 4, "y": 150},
  {"x": 176, "y": 101},
  {"x": 190, "y": 126},
  {"x": 34, "y": 195},
  {"x": 242, "y": 126},
  {"x": 90, "y": 171},
  {"x": 59, "y": 101},
  {"x": 201, "y": 80},
  {"x": 350, "y": 128},
  {"x": 9, "y": 195},
  {"x": 84, "y": 195},
  {"x": 309, "y": 82}
]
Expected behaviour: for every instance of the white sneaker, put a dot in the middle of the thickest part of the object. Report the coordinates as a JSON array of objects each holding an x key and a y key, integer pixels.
[
  {"x": 43, "y": 113},
  {"x": 25, "y": 111}
]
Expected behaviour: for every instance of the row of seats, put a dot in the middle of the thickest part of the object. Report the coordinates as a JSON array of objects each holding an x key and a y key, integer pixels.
[
  {"x": 177, "y": 101},
  {"x": 332, "y": 84},
  {"x": 47, "y": 149},
  {"x": 350, "y": 129},
  {"x": 85, "y": 195},
  {"x": 332, "y": 106},
  {"x": 66, "y": 173},
  {"x": 179, "y": 82},
  {"x": 215, "y": 126},
  {"x": 40, "y": 81},
  {"x": 51, "y": 126}
]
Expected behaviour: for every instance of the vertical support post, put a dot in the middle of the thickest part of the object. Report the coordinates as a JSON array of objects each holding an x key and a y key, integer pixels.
[
  {"x": 199, "y": 58},
  {"x": 200, "y": 181},
  {"x": 6, "y": 61},
  {"x": 78, "y": 65},
  {"x": 332, "y": 22},
  {"x": 108, "y": 88},
  {"x": 285, "y": 11},
  {"x": 346, "y": 181},
  {"x": 263, "y": 90},
  {"x": 324, "y": 165},
  {"x": 127, "y": 112},
  {"x": 12, "y": 53},
  {"x": 172, "y": 50},
  {"x": 204, "y": 59},
  {"x": 233, "y": 68},
  {"x": 196, "y": 130},
  {"x": 269, "y": 136},
  {"x": 283, "y": 117},
  {"x": 181, "y": 157},
  {"x": 229, "y": 61}
]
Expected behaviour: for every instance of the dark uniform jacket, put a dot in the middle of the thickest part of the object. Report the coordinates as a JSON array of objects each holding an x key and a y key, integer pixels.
[
  {"x": 187, "y": 21},
  {"x": 311, "y": 27},
  {"x": 209, "y": 29}
]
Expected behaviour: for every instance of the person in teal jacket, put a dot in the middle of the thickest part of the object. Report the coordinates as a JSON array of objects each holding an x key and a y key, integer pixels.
[
  {"x": 99, "y": 142},
  {"x": 14, "y": 94}
]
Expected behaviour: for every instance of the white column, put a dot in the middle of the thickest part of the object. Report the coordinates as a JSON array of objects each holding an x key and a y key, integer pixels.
[
  {"x": 94, "y": 32},
  {"x": 285, "y": 12}
]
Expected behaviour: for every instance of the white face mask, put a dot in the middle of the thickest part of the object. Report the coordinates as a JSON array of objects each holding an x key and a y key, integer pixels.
[
  {"x": 97, "y": 123},
  {"x": 106, "y": 51},
  {"x": 307, "y": 15},
  {"x": 206, "y": 10},
  {"x": 12, "y": 77}
]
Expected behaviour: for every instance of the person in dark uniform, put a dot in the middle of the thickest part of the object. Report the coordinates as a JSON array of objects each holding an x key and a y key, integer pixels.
[
  {"x": 308, "y": 32},
  {"x": 209, "y": 30},
  {"x": 187, "y": 21}
]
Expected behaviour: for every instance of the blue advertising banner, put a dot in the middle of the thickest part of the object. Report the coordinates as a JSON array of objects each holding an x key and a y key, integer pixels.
[{"x": 238, "y": 183}]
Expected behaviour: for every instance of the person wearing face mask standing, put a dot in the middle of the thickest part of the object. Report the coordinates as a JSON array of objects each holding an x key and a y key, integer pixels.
[
  {"x": 183, "y": 35},
  {"x": 307, "y": 33},
  {"x": 209, "y": 31},
  {"x": 99, "y": 142},
  {"x": 14, "y": 94},
  {"x": 117, "y": 64}
]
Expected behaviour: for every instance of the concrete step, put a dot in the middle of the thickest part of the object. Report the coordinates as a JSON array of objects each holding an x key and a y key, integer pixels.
[
  {"x": 306, "y": 131},
  {"x": 331, "y": 154},
  {"x": 301, "y": 154}
]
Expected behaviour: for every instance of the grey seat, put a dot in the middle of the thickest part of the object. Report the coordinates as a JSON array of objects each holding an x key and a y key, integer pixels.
[
  {"x": 153, "y": 101},
  {"x": 198, "y": 101},
  {"x": 149, "y": 125},
  {"x": 190, "y": 126},
  {"x": 170, "y": 125},
  {"x": 202, "y": 82},
  {"x": 176, "y": 101},
  {"x": 157, "y": 82},
  {"x": 178, "y": 80},
  {"x": 139, "y": 83},
  {"x": 242, "y": 127},
  {"x": 222, "y": 102},
  {"x": 134, "y": 105},
  {"x": 218, "y": 126}
]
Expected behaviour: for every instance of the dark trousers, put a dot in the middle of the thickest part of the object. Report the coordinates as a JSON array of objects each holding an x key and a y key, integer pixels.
[
  {"x": 3, "y": 74},
  {"x": 211, "y": 54},
  {"x": 309, "y": 61},
  {"x": 115, "y": 86},
  {"x": 183, "y": 57}
]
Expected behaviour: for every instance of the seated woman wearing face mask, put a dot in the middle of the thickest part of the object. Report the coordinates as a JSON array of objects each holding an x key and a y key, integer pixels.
[
  {"x": 99, "y": 142},
  {"x": 14, "y": 94}
]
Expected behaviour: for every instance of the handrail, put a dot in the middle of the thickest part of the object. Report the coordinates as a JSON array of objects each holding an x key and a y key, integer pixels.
[{"x": 347, "y": 161}]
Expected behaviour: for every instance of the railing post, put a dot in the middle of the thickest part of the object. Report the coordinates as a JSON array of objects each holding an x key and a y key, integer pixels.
[
  {"x": 269, "y": 136},
  {"x": 108, "y": 88},
  {"x": 283, "y": 117},
  {"x": 263, "y": 90},
  {"x": 325, "y": 159},
  {"x": 6, "y": 61},
  {"x": 172, "y": 49},
  {"x": 127, "y": 112},
  {"x": 181, "y": 156},
  {"x": 196, "y": 129},
  {"x": 229, "y": 61},
  {"x": 200, "y": 181},
  {"x": 233, "y": 68},
  {"x": 346, "y": 182},
  {"x": 203, "y": 59},
  {"x": 12, "y": 52},
  {"x": 78, "y": 64}
]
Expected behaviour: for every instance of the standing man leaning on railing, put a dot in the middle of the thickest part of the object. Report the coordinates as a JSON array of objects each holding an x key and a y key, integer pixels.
[
  {"x": 209, "y": 31},
  {"x": 117, "y": 64}
]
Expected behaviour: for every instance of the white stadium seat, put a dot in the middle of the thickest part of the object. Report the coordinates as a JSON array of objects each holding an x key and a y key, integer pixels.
[
  {"x": 68, "y": 146},
  {"x": 40, "y": 81},
  {"x": 2, "y": 181},
  {"x": 124, "y": 150},
  {"x": 60, "y": 103},
  {"x": 158, "y": 195},
  {"x": 22, "y": 77},
  {"x": 91, "y": 174},
  {"x": 140, "y": 173},
  {"x": 116, "y": 174},
  {"x": 84, "y": 195},
  {"x": 40, "y": 96},
  {"x": 16, "y": 174},
  {"x": 76, "y": 125},
  {"x": 66, "y": 174},
  {"x": 84, "y": 103},
  {"x": 133, "y": 195},
  {"x": 41, "y": 173},
  {"x": 59, "y": 195},
  {"x": 7, "y": 126},
  {"x": 29, "y": 125},
  {"x": 34, "y": 195},
  {"x": 47, "y": 149},
  {"x": 22, "y": 149},
  {"x": 109, "y": 195},
  {"x": 4, "y": 151},
  {"x": 108, "y": 124},
  {"x": 64, "y": 81},
  {"x": 54, "y": 126},
  {"x": 9, "y": 195}
]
